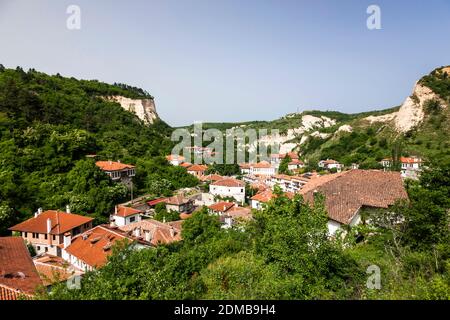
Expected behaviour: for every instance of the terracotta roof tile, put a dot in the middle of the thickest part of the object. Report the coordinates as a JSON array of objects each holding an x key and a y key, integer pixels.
[
  {"x": 222, "y": 206},
  {"x": 348, "y": 191},
  {"x": 126, "y": 211},
  {"x": 113, "y": 165},
  {"x": 229, "y": 182},
  {"x": 197, "y": 167},
  {"x": 61, "y": 222},
  {"x": 160, "y": 233},
  {"x": 17, "y": 271},
  {"x": 94, "y": 246}
]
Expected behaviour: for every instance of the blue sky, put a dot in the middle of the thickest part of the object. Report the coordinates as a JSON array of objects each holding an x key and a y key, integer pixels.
[{"x": 235, "y": 60}]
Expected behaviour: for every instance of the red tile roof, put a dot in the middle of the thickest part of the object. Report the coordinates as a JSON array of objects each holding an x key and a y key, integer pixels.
[
  {"x": 267, "y": 195},
  {"x": 113, "y": 165},
  {"x": 262, "y": 164},
  {"x": 53, "y": 269},
  {"x": 222, "y": 206},
  {"x": 172, "y": 157},
  {"x": 94, "y": 246},
  {"x": 18, "y": 274},
  {"x": 185, "y": 164},
  {"x": 126, "y": 211},
  {"x": 156, "y": 201},
  {"x": 211, "y": 177},
  {"x": 177, "y": 200},
  {"x": 197, "y": 167},
  {"x": 61, "y": 222},
  {"x": 348, "y": 191},
  {"x": 229, "y": 182},
  {"x": 160, "y": 232}
]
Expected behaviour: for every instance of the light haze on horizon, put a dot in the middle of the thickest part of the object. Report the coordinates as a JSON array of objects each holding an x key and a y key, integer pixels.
[{"x": 234, "y": 61}]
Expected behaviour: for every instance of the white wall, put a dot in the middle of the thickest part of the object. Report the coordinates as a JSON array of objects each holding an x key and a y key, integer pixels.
[{"x": 236, "y": 192}]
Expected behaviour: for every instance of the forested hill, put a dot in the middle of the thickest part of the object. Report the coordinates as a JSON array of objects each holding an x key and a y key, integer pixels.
[{"x": 48, "y": 124}]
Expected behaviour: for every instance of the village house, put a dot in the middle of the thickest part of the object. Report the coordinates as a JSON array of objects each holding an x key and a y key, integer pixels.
[
  {"x": 229, "y": 187},
  {"x": 117, "y": 171},
  {"x": 410, "y": 167},
  {"x": 211, "y": 178},
  {"x": 155, "y": 232},
  {"x": 90, "y": 250},
  {"x": 330, "y": 164},
  {"x": 179, "y": 204},
  {"x": 175, "y": 159},
  {"x": 220, "y": 207},
  {"x": 276, "y": 158},
  {"x": 125, "y": 215},
  {"x": 261, "y": 198},
  {"x": 53, "y": 270},
  {"x": 288, "y": 183},
  {"x": 262, "y": 168},
  {"x": 19, "y": 278},
  {"x": 45, "y": 231},
  {"x": 197, "y": 170},
  {"x": 348, "y": 193},
  {"x": 234, "y": 216},
  {"x": 295, "y": 164}
]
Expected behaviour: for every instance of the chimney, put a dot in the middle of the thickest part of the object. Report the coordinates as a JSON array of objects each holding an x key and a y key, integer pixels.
[
  {"x": 172, "y": 231},
  {"x": 67, "y": 208},
  {"x": 49, "y": 225},
  {"x": 112, "y": 224},
  {"x": 118, "y": 161},
  {"x": 115, "y": 210},
  {"x": 38, "y": 212},
  {"x": 67, "y": 239},
  {"x": 148, "y": 236}
]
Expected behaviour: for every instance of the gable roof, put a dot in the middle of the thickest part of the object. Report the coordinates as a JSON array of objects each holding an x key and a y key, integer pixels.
[
  {"x": 113, "y": 165},
  {"x": 94, "y": 246},
  {"x": 172, "y": 157},
  {"x": 197, "y": 167},
  {"x": 211, "y": 177},
  {"x": 348, "y": 191},
  {"x": 222, "y": 206},
  {"x": 61, "y": 222},
  {"x": 267, "y": 195},
  {"x": 229, "y": 182},
  {"x": 160, "y": 232},
  {"x": 126, "y": 211},
  {"x": 53, "y": 269},
  {"x": 177, "y": 200},
  {"x": 262, "y": 165},
  {"x": 18, "y": 275}
]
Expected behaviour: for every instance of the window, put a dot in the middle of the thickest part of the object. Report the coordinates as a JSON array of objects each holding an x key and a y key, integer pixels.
[
  {"x": 38, "y": 248},
  {"x": 132, "y": 219},
  {"x": 45, "y": 236},
  {"x": 54, "y": 237},
  {"x": 26, "y": 234},
  {"x": 46, "y": 249}
]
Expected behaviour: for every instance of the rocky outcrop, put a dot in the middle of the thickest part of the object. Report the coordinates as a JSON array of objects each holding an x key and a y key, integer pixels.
[
  {"x": 144, "y": 109},
  {"x": 411, "y": 112}
]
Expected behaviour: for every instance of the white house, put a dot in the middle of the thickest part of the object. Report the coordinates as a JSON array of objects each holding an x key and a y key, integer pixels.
[
  {"x": 229, "y": 187},
  {"x": 410, "y": 167},
  {"x": 330, "y": 164},
  {"x": 262, "y": 168},
  {"x": 287, "y": 183},
  {"x": 175, "y": 159},
  {"x": 90, "y": 250},
  {"x": 349, "y": 193},
  {"x": 123, "y": 216}
]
